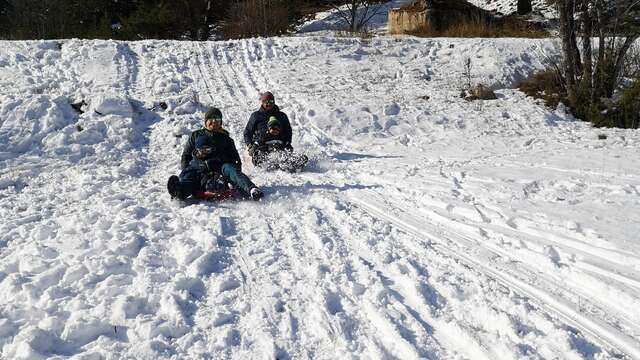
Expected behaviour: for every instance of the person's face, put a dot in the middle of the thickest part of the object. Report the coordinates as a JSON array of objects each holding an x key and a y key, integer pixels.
[
  {"x": 274, "y": 130},
  {"x": 213, "y": 124},
  {"x": 268, "y": 104}
]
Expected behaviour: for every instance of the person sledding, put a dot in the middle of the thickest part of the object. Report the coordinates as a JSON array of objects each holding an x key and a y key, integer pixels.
[
  {"x": 209, "y": 162},
  {"x": 268, "y": 138}
]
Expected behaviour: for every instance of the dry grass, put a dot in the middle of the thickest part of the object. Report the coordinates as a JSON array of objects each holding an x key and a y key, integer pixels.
[
  {"x": 623, "y": 111},
  {"x": 502, "y": 28},
  {"x": 362, "y": 34},
  {"x": 546, "y": 85}
]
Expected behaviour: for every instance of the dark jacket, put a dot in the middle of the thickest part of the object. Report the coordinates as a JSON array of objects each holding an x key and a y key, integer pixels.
[
  {"x": 256, "y": 128},
  {"x": 224, "y": 148}
]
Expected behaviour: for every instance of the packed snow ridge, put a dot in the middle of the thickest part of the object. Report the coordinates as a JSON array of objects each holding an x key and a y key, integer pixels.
[{"x": 426, "y": 226}]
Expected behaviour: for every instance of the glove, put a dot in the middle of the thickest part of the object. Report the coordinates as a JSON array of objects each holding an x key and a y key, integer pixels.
[{"x": 203, "y": 152}]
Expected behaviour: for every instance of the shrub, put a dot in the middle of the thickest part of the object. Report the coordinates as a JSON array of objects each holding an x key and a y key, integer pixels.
[
  {"x": 623, "y": 110},
  {"x": 251, "y": 18},
  {"x": 461, "y": 19},
  {"x": 508, "y": 27},
  {"x": 546, "y": 85}
]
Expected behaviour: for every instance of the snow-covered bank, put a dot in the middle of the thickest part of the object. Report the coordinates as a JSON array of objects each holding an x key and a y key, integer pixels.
[
  {"x": 426, "y": 226},
  {"x": 507, "y": 7}
]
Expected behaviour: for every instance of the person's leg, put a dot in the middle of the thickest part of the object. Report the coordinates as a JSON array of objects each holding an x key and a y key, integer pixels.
[
  {"x": 189, "y": 183},
  {"x": 237, "y": 178}
]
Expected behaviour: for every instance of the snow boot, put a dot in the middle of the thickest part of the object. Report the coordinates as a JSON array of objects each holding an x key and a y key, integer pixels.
[
  {"x": 172, "y": 186},
  {"x": 256, "y": 194}
]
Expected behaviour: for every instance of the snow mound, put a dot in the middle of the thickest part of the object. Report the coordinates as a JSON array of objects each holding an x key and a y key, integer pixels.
[
  {"x": 27, "y": 121},
  {"x": 111, "y": 104},
  {"x": 166, "y": 86}
]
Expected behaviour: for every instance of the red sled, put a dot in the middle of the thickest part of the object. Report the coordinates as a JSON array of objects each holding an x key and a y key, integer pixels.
[{"x": 215, "y": 196}]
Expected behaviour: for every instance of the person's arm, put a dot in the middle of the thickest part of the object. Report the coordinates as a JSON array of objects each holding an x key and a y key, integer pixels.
[
  {"x": 249, "y": 130},
  {"x": 187, "y": 152},
  {"x": 288, "y": 133}
]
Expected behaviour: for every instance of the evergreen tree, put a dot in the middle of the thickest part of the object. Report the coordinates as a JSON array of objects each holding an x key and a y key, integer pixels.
[
  {"x": 151, "y": 20},
  {"x": 5, "y": 18}
]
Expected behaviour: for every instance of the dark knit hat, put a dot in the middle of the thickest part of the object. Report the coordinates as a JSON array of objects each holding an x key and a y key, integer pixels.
[
  {"x": 273, "y": 122},
  {"x": 267, "y": 95},
  {"x": 213, "y": 113},
  {"x": 203, "y": 141}
]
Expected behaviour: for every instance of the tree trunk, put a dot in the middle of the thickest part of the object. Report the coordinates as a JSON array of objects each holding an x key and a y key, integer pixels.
[
  {"x": 354, "y": 15},
  {"x": 567, "y": 34},
  {"x": 618, "y": 63},
  {"x": 524, "y": 7},
  {"x": 203, "y": 32},
  {"x": 598, "y": 77},
  {"x": 587, "y": 54}
]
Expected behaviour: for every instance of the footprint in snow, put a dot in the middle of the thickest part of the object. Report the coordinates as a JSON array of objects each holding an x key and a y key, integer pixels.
[
  {"x": 223, "y": 319},
  {"x": 228, "y": 285},
  {"x": 214, "y": 262},
  {"x": 333, "y": 303}
]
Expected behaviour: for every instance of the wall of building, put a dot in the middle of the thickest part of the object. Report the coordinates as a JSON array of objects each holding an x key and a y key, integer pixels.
[{"x": 402, "y": 21}]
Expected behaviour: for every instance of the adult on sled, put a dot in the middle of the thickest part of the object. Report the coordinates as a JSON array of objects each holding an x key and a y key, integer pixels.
[
  {"x": 268, "y": 138},
  {"x": 209, "y": 160}
]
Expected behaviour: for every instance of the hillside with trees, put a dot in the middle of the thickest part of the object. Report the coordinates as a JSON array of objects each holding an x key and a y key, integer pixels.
[{"x": 148, "y": 19}]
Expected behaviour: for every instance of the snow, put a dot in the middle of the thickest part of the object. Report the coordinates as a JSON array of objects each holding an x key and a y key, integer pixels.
[
  {"x": 425, "y": 227},
  {"x": 508, "y": 7},
  {"x": 331, "y": 19}
]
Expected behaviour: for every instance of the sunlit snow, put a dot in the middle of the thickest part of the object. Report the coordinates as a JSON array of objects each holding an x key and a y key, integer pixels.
[{"x": 426, "y": 226}]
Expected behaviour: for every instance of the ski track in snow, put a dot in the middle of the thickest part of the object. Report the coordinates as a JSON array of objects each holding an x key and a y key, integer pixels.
[{"x": 435, "y": 229}]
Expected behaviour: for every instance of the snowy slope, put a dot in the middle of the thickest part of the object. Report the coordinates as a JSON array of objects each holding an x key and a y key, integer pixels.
[
  {"x": 426, "y": 226},
  {"x": 507, "y": 7},
  {"x": 331, "y": 19}
]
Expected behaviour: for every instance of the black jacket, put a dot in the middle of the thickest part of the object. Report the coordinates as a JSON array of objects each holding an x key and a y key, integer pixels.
[
  {"x": 256, "y": 128},
  {"x": 224, "y": 148}
]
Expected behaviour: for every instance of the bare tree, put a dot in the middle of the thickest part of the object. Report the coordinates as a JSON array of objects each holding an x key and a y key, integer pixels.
[
  {"x": 615, "y": 24},
  {"x": 591, "y": 78},
  {"x": 247, "y": 18},
  {"x": 358, "y": 13}
]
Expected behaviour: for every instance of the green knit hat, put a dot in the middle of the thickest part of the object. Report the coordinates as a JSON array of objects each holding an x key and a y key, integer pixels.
[
  {"x": 213, "y": 113},
  {"x": 273, "y": 122}
]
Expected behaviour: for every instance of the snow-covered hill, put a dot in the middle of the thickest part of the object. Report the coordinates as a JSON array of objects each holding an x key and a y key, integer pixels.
[
  {"x": 331, "y": 19},
  {"x": 507, "y": 7},
  {"x": 425, "y": 227}
]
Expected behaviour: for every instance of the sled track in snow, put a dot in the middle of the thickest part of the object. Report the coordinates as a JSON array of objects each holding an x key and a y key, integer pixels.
[
  {"x": 598, "y": 328},
  {"x": 200, "y": 59},
  {"x": 260, "y": 77},
  {"x": 609, "y": 263},
  {"x": 245, "y": 59},
  {"x": 212, "y": 58},
  {"x": 129, "y": 64}
]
